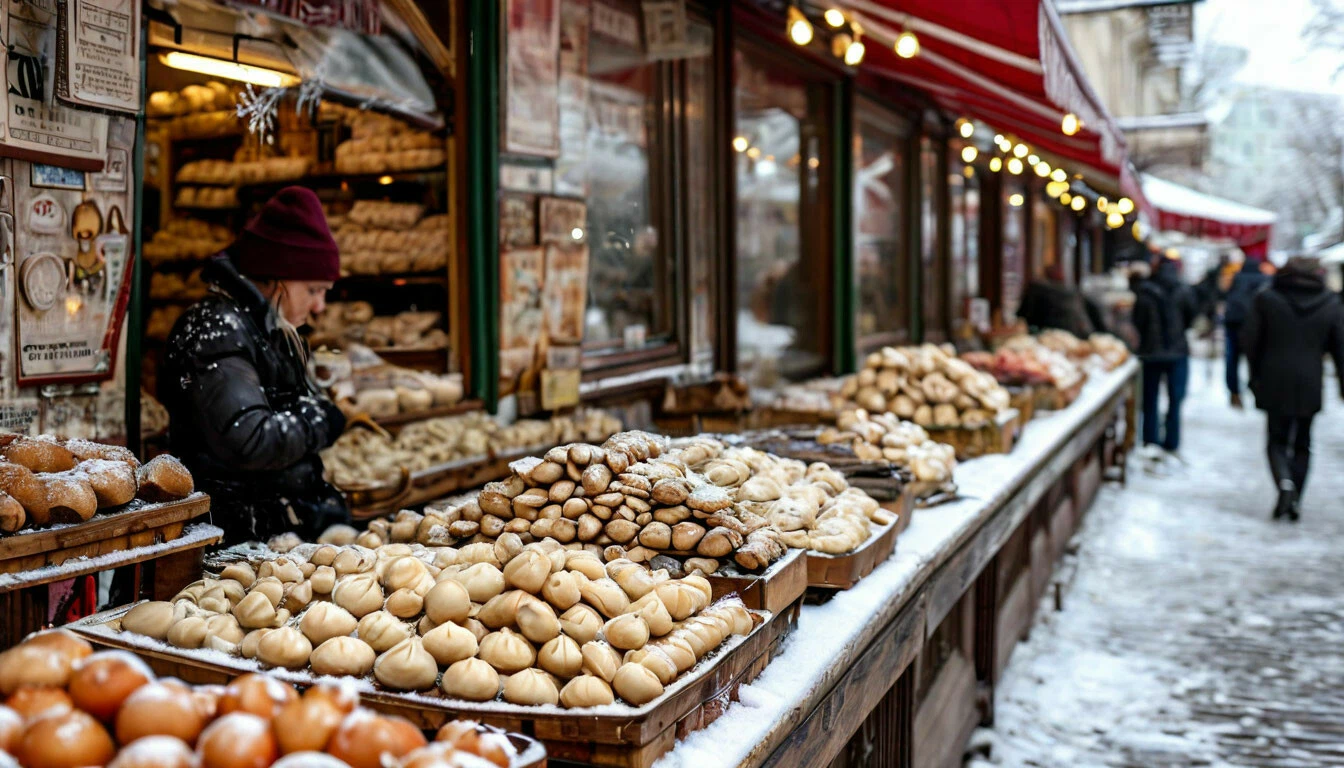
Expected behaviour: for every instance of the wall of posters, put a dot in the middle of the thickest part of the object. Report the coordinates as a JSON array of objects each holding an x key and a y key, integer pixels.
[
  {"x": 100, "y": 62},
  {"x": 521, "y": 278},
  {"x": 561, "y": 220},
  {"x": 531, "y": 77},
  {"x": 72, "y": 257},
  {"x": 566, "y": 292},
  {"x": 571, "y": 166}
]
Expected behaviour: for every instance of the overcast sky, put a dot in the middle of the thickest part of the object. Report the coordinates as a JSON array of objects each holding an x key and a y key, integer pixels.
[{"x": 1272, "y": 31}]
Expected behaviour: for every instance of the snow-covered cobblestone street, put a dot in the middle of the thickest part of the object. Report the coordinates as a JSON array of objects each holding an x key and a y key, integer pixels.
[{"x": 1195, "y": 631}]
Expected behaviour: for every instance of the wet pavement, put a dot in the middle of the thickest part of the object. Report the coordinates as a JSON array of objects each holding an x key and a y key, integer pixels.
[{"x": 1194, "y": 631}]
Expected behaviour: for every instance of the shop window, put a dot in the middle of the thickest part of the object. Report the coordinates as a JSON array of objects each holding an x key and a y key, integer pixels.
[
  {"x": 880, "y": 211},
  {"x": 1044, "y": 238},
  {"x": 1014, "y": 243},
  {"x": 963, "y": 186},
  {"x": 933, "y": 283},
  {"x": 782, "y": 261}
]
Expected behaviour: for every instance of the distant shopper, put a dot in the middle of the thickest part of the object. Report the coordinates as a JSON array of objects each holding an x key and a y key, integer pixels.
[
  {"x": 1164, "y": 308},
  {"x": 1248, "y": 282},
  {"x": 1292, "y": 324},
  {"x": 1053, "y": 303}
]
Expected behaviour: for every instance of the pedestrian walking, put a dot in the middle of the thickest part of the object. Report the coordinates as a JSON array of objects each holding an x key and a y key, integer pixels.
[
  {"x": 1164, "y": 308},
  {"x": 1292, "y": 324},
  {"x": 1248, "y": 282}
]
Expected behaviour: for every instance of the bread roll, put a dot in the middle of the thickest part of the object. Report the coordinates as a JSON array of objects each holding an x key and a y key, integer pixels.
[
  {"x": 655, "y": 614},
  {"x": 636, "y": 684},
  {"x": 248, "y": 648},
  {"x": 70, "y": 738},
  {"x": 605, "y": 595},
  {"x": 323, "y": 580},
  {"x": 71, "y": 498},
  {"x": 113, "y": 482},
  {"x": 531, "y": 686},
  {"x": 585, "y": 563},
  {"x": 586, "y": 691},
  {"x": 507, "y": 651},
  {"x": 239, "y": 572},
  {"x": 285, "y": 647},
  {"x": 482, "y": 581},
  {"x": 581, "y": 622},
  {"x": 678, "y": 650},
  {"x": 224, "y": 627},
  {"x": 164, "y": 478},
  {"x": 86, "y": 450},
  {"x": 537, "y": 621},
  {"x": 342, "y": 656},
  {"x": 381, "y": 630},
  {"x": 561, "y": 656},
  {"x": 255, "y": 611},
  {"x": 627, "y": 632},
  {"x": 600, "y": 659},
  {"x": 39, "y": 455},
  {"x": 528, "y": 571},
  {"x": 404, "y": 604},
  {"x": 681, "y": 601},
  {"x": 404, "y": 573},
  {"x": 448, "y": 600},
  {"x": 270, "y": 587},
  {"x": 188, "y": 633},
  {"x": 471, "y": 679},
  {"x": 656, "y": 660},
  {"x": 450, "y": 643},
  {"x": 298, "y": 596},
  {"x": 358, "y": 593},
  {"x": 561, "y": 590},
  {"x": 19, "y": 482},
  {"x": 151, "y": 619},
  {"x": 407, "y": 666},
  {"x": 354, "y": 559}
]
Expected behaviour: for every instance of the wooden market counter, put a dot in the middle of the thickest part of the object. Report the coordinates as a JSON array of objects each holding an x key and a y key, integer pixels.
[{"x": 899, "y": 669}]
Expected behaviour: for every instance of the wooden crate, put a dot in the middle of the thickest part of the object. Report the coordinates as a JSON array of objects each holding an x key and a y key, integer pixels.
[
  {"x": 831, "y": 572},
  {"x": 999, "y": 436},
  {"x": 136, "y": 525},
  {"x": 773, "y": 590},
  {"x": 632, "y": 738},
  {"x": 1049, "y": 398},
  {"x": 1023, "y": 398}
]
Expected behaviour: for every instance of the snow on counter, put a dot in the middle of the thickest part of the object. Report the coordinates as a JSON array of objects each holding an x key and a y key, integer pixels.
[{"x": 830, "y": 635}]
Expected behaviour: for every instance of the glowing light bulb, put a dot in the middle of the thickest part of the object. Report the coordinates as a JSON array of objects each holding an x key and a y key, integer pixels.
[
  {"x": 998, "y": 138},
  {"x": 1070, "y": 124},
  {"x": 854, "y": 53},
  {"x": 996, "y": 164},
  {"x": 741, "y": 144},
  {"x": 385, "y": 180},
  {"x": 1042, "y": 169},
  {"x": 754, "y": 153},
  {"x": 800, "y": 29},
  {"x": 1102, "y": 203},
  {"x": 968, "y": 154},
  {"x": 907, "y": 45},
  {"x": 1015, "y": 200},
  {"x": 1021, "y": 150},
  {"x": 1065, "y": 198},
  {"x": 1033, "y": 159},
  {"x": 1059, "y": 175},
  {"x": 576, "y": 233},
  {"x": 834, "y": 17},
  {"x": 1015, "y": 166},
  {"x": 1114, "y": 220},
  {"x": 966, "y": 128},
  {"x": 1079, "y": 203},
  {"x": 1125, "y": 206}
]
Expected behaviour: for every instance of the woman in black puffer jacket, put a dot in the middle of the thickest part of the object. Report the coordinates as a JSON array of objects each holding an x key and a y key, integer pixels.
[{"x": 247, "y": 418}]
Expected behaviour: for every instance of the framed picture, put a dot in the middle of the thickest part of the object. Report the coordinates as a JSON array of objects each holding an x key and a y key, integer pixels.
[
  {"x": 517, "y": 177},
  {"x": 517, "y": 220},
  {"x": 532, "y": 77},
  {"x": 56, "y": 177},
  {"x": 566, "y": 292},
  {"x": 521, "y": 275},
  {"x": 563, "y": 220}
]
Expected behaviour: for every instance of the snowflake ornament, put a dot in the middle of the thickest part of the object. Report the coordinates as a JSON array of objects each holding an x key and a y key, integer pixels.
[{"x": 260, "y": 108}]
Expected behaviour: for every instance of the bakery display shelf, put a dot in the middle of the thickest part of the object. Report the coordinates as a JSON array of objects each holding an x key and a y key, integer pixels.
[
  {"x": 398, "y": 279},
  {"x": 998, "y": 436},
  {"x": 431, "y": 175},
  {"x": 394, "y": 423},
  {"x": 616, "y": 735},
  {"x": 133, "y": 525},
  {"x": 826, "y": 573},
  {"x": 778, "y": 586}
]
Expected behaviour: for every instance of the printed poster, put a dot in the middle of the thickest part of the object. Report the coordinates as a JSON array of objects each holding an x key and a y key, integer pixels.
[
  {"x": 73, "y": 252},
  {"x": 521, "y": 278},
  {"x": 531, "y": 77},
  {"x": 100, "y": 61},
  {"x": 566, "y": 292},
  {"x": 571, "y": 165}
]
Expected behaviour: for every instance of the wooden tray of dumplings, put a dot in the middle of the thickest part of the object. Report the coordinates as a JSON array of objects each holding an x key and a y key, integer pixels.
[
  {"x": 832, "y": 572},
  {"x": 998, "y": 436},
  {"x": 136, "y": 524},
  {"x": 619, "y": 735}
]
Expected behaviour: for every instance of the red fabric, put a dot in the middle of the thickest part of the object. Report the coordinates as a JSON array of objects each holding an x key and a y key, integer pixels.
[
  {"x": 288, "y": 240},
  {"x": 1252, "y": 239}
]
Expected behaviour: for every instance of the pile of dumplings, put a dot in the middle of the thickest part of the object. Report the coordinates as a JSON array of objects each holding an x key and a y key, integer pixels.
[
  {"x": 535, "y": 624},
  {"x": 927, "y": 385},
  {"x": 884, "y": 437}
]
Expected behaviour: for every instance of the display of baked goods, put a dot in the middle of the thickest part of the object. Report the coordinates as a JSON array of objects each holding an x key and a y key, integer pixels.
[
  {"x": 48, "y": 480},
  {"x": 1022, "y": 360},
  {"x": 262, "y": 170},
  {"x": 186, "y": 239},
  {"x": 68, "y": 706},
  {"x": 214, "y": 96},
  {"x": 884, "y": 436},
  {"x": 1110, "y": 349},
  {"x": 531, "y": 624},
  {"x": 362, "y": 382},
  {"x": 399, "y": 149},
  {"x": 206, "y": 197},
  {"x": 386, "y": 239},
  {"x": 362, "y": 458},
  {"x": 927, "y": 385},
  {"x": 343, "y": 323},
  {"x": 177, "y": 286}
]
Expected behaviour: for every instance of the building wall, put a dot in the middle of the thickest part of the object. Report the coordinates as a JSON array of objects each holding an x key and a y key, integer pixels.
[{"x": 1118, "y": 56}]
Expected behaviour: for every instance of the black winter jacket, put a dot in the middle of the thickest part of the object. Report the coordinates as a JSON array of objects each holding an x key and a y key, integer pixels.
[
  {"x": 1051, "y": 305},
  {"x": 1248, "y": 282},
  {"x": 246, "y": 418},
  {"x": 1164, "y": 308},
  {"x": 1292, "y": 325}
]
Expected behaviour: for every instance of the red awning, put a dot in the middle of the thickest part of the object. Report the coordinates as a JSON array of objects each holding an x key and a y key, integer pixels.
[
  {"x": 1181, "y": 209},
  {"x": 1007, "y": 64}
]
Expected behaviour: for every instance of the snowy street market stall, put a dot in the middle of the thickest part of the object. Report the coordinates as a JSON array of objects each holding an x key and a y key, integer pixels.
[{"x": 1195, "y": 214}]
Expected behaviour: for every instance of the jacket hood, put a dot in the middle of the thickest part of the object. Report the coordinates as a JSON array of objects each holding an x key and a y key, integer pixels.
[
  {"x": 1168, "y": 274},
  {"x": 221, "y": 272},
  {"x": 1305, "y": 293}
]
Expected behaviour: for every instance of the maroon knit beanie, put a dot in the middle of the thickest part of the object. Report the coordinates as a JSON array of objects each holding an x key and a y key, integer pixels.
[{"x": 288, "y": 240}]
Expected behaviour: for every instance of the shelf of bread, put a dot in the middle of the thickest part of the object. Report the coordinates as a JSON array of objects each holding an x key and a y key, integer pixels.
[
  {"x": 379, "y": 237},
  {"x": 185, "y": 239},
  {"x": 344, "y": 323},
  {"x": 67, "y": 704}
]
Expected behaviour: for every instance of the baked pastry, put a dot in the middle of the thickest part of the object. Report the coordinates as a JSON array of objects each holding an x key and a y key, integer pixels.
[
  {"x": 450, "y": 643},
  {"x": 187, "y": 633},
  {"x": 85, "y": 450},
  {"x": 655, "y": 614},
  {"x": 151, "y": 619},
  {"x": 342, "y": 656},
  {"x": 561, "y": 656},
  {"x": 600, "y": 659},
  {"x": 323, "y": 621},
  {"x": 627, "y": 632},
  {"x": 255, "y": 611},
  {"x": 507, "y": 651},
  {"x": 561, "y": 590},
  {"x": 448, "y": 600},
  {"x": 528, "y": 571},
  {"x": 404, "y": 604},
  {"x": 407, "y": 666},
  {"x": 39, "y": 454},
  {"x": 471, "y": 679},
  {"x": 163, "y": 478},
  {"x": 537, "y": 621},
  {"x": 12, "y": 514},
  {"x": 636, "y": 684},
  {"x": 381, "y": 630},
  {"x": 270, "y": 587},
  {"x": 71, "y": 497},
  {"x": 19, "y": 482},
  {"x": 586, "y": 691},
  {"x": 482, "y": 580},
  {"x": 531, "y": 686},
  {"x": 358, "y": 593},
  {"x": 605, "y": 595},
  {"x": 656, "y": 660},
  {"x": 71, "y": 738},
  {"x": 581, "y": 622},
  {"x": 113, "y": 482},
  {"x": 237, "y": 740},
  {"x": 285, "y": 647}
]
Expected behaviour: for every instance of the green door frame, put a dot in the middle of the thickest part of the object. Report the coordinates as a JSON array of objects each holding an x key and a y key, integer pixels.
[{"x": 483, "y": 34}]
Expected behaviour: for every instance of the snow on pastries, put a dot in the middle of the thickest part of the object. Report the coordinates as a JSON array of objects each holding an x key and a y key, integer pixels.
[
  {"x": 926, "y": 385},
  {"x": 507, "y": 640}
]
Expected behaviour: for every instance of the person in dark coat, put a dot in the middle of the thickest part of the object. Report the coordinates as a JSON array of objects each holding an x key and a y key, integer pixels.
[
  {"x": 246, "y": 415},
  {"x": 1052, "y": 303},
  {"x": 1292, "y": 324},
  {"x": 1164, "y": 308},
  {"x": 1248, "y": 282}
]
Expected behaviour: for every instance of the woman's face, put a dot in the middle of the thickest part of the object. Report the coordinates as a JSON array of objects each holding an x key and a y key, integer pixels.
[{"x": 299, "y": 300}]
